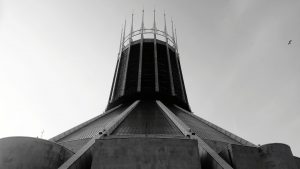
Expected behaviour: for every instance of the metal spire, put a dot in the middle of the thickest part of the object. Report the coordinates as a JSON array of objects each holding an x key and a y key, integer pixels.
[
  {"x": 154, "y": 26},
  {"x": 154, "y": 20},
  {"x": 165, "y": 28},
  {"x": 155, "y": 56},
  {"x": 124, "y": 34},
  {"x": 184, "y": 97},
  {"x": 173, "y": 37},
  {"x": 112, "y": 91},
  {"x": 141, "y": 55},
  {"x": 176, "y": 41},
  {"x": 131, "y": 31},
  {"x": 165, "y": 22},
  {"x": 121, "y": 46},
  {"x": 142, "y": 27},
  {"x": 169, "y": 60},
  {"x": 127, "y": 59}
]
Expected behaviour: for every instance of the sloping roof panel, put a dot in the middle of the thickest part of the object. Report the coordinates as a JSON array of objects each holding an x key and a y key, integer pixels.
[
  {"x": 90, "y": 128},
  {"x": 147, "y": 119},
  {"x": 201, "y": 128}
]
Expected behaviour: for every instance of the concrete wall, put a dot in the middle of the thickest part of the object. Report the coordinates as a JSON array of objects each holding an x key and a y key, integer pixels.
[
  {"x": 244, "y": 157},
  {"x": 146, "y": 153},
  {"x": 269, "y": 156},
  {"x": 278, "y": 156},
  {"x": 31, "y": 153},
  {"x": 297, "y": 160}
]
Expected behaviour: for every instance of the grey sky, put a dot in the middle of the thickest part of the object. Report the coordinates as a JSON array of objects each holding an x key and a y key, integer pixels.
[{"x": 57, "y": 60}]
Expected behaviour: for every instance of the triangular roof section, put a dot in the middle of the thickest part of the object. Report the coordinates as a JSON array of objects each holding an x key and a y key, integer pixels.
[{"x": 148, "y": 119}]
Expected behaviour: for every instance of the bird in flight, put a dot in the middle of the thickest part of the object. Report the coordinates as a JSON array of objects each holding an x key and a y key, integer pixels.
[{"x": 290, "y": 42}]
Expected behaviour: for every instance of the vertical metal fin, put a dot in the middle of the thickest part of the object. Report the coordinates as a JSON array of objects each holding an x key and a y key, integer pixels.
[
  {"x": 176, "y": 42},
  {"x": 121, "y": 46},
  {"x": 142, "y": 21},
  {"x": 179, "y": 71},
  {"x": 155, "y": 56},
  {"x": 173, "y": 37},
  {"x": 127, "y": 59},
  {"x": 124, "y": 34},
  {"x": 154, "y": 19},
  {"x": 165, "y": 23},
  {"x": 112, "y": 91},
  {"x": 169, "y": 61},
  {"x": 131, "y": 31},
  {"x": 141, "y": 56}
]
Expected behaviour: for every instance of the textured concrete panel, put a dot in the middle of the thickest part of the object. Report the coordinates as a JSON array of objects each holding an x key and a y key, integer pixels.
[
  {"x": 278, "y": 156},
  {"x": 297, "y": 160},
  {"x": 244, "y": 157},
  {"x": 31, "y": 153},
  {"x": 270, "y": 156},
  {"x": 145, "y": 153}
]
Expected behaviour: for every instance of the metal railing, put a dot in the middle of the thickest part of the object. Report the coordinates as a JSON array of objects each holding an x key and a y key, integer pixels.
[
  {"x": 138, "y": 34},
  {"x": 160, "y": 35}
]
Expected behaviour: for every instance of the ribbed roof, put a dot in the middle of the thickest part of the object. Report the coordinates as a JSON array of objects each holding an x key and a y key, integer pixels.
[
  {"x": 147, "y": 119},
  {"x": 90, "y": 128},
  {"x": 205, "y": 129},
  {"x": 200, "y": 128}
]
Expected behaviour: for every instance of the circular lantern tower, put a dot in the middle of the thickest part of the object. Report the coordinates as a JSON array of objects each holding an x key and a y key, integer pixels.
[{"x": 148, "y": 68}]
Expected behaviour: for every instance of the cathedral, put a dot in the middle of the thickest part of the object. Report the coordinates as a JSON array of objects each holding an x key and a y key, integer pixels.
[{"x": 148, "y": 122}]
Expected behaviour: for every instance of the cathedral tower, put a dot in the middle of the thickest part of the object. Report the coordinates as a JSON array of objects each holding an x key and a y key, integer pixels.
[{"x": 148, "y": 123}]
